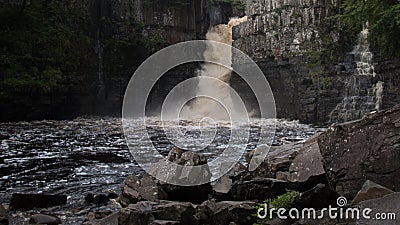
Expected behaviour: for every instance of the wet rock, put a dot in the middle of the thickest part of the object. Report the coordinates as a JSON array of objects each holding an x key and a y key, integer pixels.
[
  {"x": 100, "y": 214},
  {"x": 258, "y": 189},
  {"x": 319, "y": 197},
  {"x": 164, "y": 222},
  {"x": 387, "y": 204},
  {"x": 139, "y": 214},
  {"x": 147, "y": 212},
  {"x": 31, "y": 201},
  {"x": 177, "y": 211},
  {"x": 226, "y": 212},
  {"x": 186, "y": 193},
  {"x": 144, "y": 189},
  {"x": 367, "y": 149},
  {"x": 307, "y": 163},
  {"x": 3, "y": 215},
  {"x": 98, "y": 199},
  {"x": 371, "y": 190},
  {"x": 187, "y": 172},
  {"x": 148, "y": 188},
  {"x": 110, "y": 220},
  {"x": 282, "y": 176},
  {"x": 222, "y": 187},
  {"x": 44, "y": 219},
  {"x": 278, "y": 159},
  {"x": 112, "y": 195}
]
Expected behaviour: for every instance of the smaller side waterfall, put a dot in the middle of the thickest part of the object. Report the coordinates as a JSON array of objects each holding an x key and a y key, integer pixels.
[
  {"x": 362, "y": 94},
  {"x": 363, "y": 56},
  {"x": 100, "y": 85}
]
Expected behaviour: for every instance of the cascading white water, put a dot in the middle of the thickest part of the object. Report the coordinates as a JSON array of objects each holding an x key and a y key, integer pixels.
[
  {"x": 361, "y": 95},
  {"x": 363, "y": 55},
  {"x": 205, "y": 107}
]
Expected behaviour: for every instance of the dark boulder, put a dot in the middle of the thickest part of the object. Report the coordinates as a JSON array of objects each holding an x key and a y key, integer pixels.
[
  {"x": 222, "y": 187},
  {"x": 98, "y": 199},
  {"x": 258, "y": 189},
  {"x": 164, "y": 222},
  {"x": 192, "y": 168},
  {"x": 226, "y": 212},
  {"x": 135, "y": 189},
  {"x": 319, "y": 197},
  {"x": 144, "y": 213},
  {"x": 371, "y": 190},
  {"x": 3, "y": 215},
  {"x": 387, "y": 207},
  {"x": 148, "y": 188},
  {"x": 307, "y": 163},
  {"x": 278, "y": 159},
  {"x": 367, "y": 149},
  {"x": 44, "y": 219},
  {"x": 31, "y": 201}
]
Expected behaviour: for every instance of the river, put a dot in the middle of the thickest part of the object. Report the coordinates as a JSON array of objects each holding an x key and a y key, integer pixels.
[{"x": 87, "y": 155}]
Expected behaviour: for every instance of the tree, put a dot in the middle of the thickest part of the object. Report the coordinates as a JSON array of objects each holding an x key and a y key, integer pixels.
[{"x": 383, "y": 17}]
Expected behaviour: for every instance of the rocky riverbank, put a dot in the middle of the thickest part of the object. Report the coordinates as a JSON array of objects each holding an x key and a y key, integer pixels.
[
  {"x": 79, "y": 158},
  {"x": 358, "y": 160}
]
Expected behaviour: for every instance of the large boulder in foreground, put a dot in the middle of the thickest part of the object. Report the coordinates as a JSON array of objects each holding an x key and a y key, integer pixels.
[
  {"x": 148, "y": 188},
  {"x": 226, "y": 212},
  {"x": 278, "y": 160},
  {"x": 167, "y": 212},
  {"x": 308, "y": 162},
  {"x": 367, "y": 149}
]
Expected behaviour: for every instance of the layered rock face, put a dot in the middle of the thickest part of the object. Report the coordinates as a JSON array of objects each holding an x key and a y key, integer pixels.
[
  {"x": 113, "y": 55},
  {"x": 281, "y": 27},
  {"x": 310, "y": 65}
]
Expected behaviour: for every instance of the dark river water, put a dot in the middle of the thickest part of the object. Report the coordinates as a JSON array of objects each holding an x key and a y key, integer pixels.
[{"x": 87, "y": 155}]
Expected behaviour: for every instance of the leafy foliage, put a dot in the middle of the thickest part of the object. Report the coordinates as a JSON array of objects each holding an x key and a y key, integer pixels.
[
  {"x": 41, "y": 45},
  {"x": 286, "y": 201},
  {"x": 383, "y": 17}
]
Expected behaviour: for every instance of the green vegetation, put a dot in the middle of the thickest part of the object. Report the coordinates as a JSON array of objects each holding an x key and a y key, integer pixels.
[
  {"x": 48, "y": 46},
  {"x": 383, "y": 17},
  {"x": 286, "y": 201},
  {"x": 42, "y": 44}
]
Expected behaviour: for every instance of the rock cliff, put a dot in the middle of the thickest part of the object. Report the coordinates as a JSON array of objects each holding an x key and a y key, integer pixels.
[{"x": 312, "y": 67}]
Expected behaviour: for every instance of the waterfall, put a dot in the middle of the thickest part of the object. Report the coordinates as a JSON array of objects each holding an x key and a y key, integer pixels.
[
  {"x": 362, "y": 54},
  {"x": 204, "y": 107},
  {"x": 361, "y": 94}
]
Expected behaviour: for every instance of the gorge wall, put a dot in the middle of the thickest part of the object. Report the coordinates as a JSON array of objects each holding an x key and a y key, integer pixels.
[
  {"x": 311, "y": 67},
  {"x": 118, "y": 36}
]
